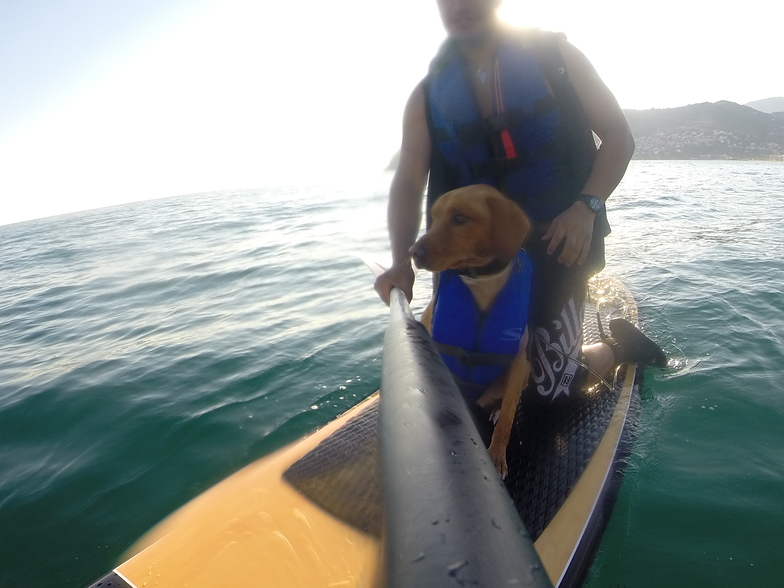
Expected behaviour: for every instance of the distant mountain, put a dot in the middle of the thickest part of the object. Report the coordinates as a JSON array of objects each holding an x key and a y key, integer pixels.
[
  {"x": 710, "y": 130},
  {"x": 768, "y": 105},
  {"x": 719, "y": 130}
]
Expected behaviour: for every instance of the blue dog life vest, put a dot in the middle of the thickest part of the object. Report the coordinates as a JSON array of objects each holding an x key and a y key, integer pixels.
[
  {"x": 478, "y": 346},
  {"x": 529, "y": 148}
]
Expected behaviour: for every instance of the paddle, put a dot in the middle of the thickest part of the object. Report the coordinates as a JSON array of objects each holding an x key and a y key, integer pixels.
[{"x": 448, "y": 517}]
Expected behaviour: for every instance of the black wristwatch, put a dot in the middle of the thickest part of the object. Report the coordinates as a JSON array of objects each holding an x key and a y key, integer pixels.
[{"x": 594, "y": 203}]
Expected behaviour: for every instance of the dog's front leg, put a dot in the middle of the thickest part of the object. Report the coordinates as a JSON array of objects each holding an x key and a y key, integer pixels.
[{"x": 515, "y": 379}]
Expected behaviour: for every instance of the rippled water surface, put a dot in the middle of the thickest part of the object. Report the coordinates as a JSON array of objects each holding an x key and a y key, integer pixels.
[{"x": 150, "y": 350}]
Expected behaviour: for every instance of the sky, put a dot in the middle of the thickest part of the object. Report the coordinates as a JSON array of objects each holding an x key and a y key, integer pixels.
[{"x": 107, "y": 101}]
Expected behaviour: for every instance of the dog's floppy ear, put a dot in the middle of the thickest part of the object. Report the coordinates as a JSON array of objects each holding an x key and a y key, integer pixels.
[{"x": 510, "y": 226}]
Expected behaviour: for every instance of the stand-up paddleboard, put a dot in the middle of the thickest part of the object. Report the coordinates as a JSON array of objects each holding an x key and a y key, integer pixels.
[{"x": 311, "y": 514}]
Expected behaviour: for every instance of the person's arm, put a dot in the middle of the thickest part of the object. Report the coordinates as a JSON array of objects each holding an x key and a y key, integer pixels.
[
  {"x": 404, "y": 213},
  {"x": 575, "y": 225}
]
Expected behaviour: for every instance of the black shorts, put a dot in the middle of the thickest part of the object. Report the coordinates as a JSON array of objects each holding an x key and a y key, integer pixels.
[{"x": 558, "y": 296}]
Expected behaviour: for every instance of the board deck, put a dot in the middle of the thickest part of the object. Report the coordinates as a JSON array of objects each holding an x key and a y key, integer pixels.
[{"x": 309, "y": 515}]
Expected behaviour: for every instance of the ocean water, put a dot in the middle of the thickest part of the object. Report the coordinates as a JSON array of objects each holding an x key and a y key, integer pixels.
[{"x": 150, "y": 350}]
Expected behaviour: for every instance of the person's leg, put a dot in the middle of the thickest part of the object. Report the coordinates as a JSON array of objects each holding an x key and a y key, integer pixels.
[
  {"x": 627, "y": 344},
  {"x": 601, "y": 359}
]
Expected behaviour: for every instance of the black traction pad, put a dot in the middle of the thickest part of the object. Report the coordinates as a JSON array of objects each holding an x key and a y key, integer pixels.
[
  {"x": 342, "y": 473},
  {"x": 549, "y": 448}
]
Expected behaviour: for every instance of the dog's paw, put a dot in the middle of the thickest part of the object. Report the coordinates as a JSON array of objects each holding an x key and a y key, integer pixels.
[
  {"x": 490, "y": 400},
  {"x": 498, "y": 455}
]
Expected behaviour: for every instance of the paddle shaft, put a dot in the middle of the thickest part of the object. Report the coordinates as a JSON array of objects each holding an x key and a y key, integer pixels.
[{"x": 448, "y": 518}]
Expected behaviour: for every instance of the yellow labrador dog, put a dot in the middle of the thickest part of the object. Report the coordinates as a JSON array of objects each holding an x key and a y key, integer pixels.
[{"x": 478, "y": 233}]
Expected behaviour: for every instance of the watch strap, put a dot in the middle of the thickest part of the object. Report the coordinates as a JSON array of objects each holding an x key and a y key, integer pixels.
[{"x": 594, "y": 203}]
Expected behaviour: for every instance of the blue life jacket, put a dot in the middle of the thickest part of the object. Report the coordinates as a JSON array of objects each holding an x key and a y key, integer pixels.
[
  {"x": 539, "y": 151},
  {"x": 478, "y": 346}
]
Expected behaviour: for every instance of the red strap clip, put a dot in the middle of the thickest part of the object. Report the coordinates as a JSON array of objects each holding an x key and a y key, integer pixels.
[{"x": 509, "y": 147}]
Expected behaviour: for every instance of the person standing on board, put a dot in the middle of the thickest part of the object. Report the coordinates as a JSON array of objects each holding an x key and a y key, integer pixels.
[{"x": 518, "y": 109}]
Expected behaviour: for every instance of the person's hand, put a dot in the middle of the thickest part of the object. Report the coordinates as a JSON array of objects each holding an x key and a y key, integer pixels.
[
  {"x": 398, "y": 276},
  {"x": 573, "y": 227}
]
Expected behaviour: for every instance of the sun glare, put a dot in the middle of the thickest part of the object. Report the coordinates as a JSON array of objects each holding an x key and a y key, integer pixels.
[{"x": 242, "y": 95}]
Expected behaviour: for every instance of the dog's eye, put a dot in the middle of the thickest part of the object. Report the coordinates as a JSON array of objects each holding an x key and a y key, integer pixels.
[{"x": 459, "y": 219}]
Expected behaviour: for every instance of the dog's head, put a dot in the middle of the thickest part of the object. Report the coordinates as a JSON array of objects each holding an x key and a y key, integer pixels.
[{"x": 471, "y": 227}]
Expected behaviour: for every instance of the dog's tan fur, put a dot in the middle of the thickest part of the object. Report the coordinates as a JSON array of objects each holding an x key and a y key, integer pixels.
[{"x": 472, "y": 227}]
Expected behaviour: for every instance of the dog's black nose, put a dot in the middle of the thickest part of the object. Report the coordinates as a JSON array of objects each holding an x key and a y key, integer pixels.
[{"x": 417, "y": 252}]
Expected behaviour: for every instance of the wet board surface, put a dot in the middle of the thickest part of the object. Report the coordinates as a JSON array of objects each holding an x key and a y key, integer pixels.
[{"x": 310, "y": 514}]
